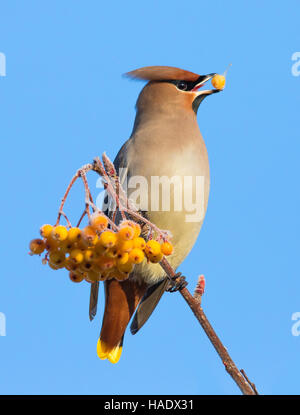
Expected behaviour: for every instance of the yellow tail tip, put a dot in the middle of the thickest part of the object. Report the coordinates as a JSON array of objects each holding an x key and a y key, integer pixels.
[{"x": 113, "y": 354}]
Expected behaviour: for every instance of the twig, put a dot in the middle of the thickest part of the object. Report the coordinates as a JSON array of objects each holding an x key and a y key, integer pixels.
[
  {"x": 67, "y": 220},
  {"x": 88, "y": 200},
  {"x": 243, "y": 383},
  {"x": 65, "y": 197},
  {"x": 250, "y": 383},
  {"x": 78, "y": 174},
  {"x": 199, "y": 290},
  {"x": 81, "y": 218},
  {"x": 110, "y": 187}
]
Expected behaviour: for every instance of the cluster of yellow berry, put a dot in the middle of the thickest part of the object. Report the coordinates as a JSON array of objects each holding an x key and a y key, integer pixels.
[{"x": 96, "y": 253}]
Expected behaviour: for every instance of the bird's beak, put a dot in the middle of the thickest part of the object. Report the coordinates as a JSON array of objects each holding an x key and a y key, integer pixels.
[
  {"x": 199, "y": 96},
  {"x": 202, "y": 81}
]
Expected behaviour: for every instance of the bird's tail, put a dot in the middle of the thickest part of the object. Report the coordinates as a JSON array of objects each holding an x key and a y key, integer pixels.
[
  {"x": 121, "y": 300},
  {"x": 104, "y": 351}
]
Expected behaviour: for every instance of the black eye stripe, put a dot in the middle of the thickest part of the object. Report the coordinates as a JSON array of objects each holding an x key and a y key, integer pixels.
[{"x": 183, "y": 85}]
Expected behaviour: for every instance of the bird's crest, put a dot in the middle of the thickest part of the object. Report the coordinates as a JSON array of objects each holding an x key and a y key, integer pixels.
[{"x": 162, "y": 73}]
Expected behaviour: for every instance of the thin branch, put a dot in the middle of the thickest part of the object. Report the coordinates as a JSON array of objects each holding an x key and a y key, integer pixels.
[
  {"x": 88, "y": 201},
  {"x": 65, "y": 196},
  {"x": 81, "y": 218},
  {"x": 110, "y": 186},
  {"x": 243, "y": 383},
  {"x": 250, "y": 383},
  {"x": 67, "y": 220}
]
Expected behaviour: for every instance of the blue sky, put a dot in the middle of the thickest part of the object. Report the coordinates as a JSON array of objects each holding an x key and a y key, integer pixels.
[{"x": 63, "y": 102}]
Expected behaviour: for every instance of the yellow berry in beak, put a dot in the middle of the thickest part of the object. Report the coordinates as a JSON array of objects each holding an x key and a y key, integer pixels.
[{"x": 218, "y": 81}]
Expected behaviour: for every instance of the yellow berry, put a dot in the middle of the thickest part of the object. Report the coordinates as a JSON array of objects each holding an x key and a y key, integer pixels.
[
  {"x": 137, "y": 230},
  {"x": 99, "y": 222},
  {"x": 218, "y": 81},
  {"x": 66, "y": 246},
  {"x": 81, "y": 244},
  {"x": 57, "y": 258},
  {"x": 112, "y": 253},
  {"x": 75, "y": 277},
  {"x": 118, "y": 275},
  {"x": 126, "y": 268},
  {"x": 86, "y": 266},
  {"x": 53, "y": 266},
  {"x": 139, "y": 243},
  {"x": 122, "y": 258},
  {"x": 89, "y": 236},
  {"x": 126, "y": 233},
  {"x": 166, "y": 248},
  {"x": 104, "y": 275},
  {"x": 77, "y": 256},
  {"x": 37, "y": 246},
  {"x": 127, "y": 222},
  {"x": 70, "y": 265},
  {"x": 92, "y": 276},
  {"x": 108, "y": 239},
  {"x": 59, "y": 233},
  {"x": 96, "y": 267},
  {"x": 51, "y": 244},
  {"x": 100, "y": 249},
  {"x": 46, "y": 230},
  {"x": 74, "y": 235},
  {"x": 136, "y": 256},
  {"x": 105, "y": 263},
  {"x": 125, "y": 246},
  {"x": 156, "y": 258},
  {"x": 89, "y": 255},
  {"x": 152, "y": 248}
]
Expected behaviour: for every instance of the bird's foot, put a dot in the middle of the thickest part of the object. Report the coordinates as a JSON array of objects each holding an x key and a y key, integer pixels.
[{"x": 177, "y": 283}]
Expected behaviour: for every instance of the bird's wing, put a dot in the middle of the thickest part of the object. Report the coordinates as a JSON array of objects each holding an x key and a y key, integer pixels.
[
  {"x": 119, "y": 162},
  {"x": 93, "y": 300},
  {"x": 147, "y": 305}
]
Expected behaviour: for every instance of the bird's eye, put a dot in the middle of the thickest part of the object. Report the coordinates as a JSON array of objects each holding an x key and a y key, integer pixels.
[{"x": 182, "y": 85}]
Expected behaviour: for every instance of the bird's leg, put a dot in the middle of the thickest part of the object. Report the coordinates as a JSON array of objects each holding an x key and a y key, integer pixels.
[{"x": 178, "y": 282}]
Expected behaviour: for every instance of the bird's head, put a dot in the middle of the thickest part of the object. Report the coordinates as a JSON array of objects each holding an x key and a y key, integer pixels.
[{"x": 170, "y": 87}]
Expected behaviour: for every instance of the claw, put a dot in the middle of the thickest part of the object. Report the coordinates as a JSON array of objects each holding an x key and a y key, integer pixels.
[{"x": 177, "y": 283}]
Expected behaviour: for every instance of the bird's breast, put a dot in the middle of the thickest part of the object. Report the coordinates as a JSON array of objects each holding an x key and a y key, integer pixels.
[{"x": 168, "y": 176}]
